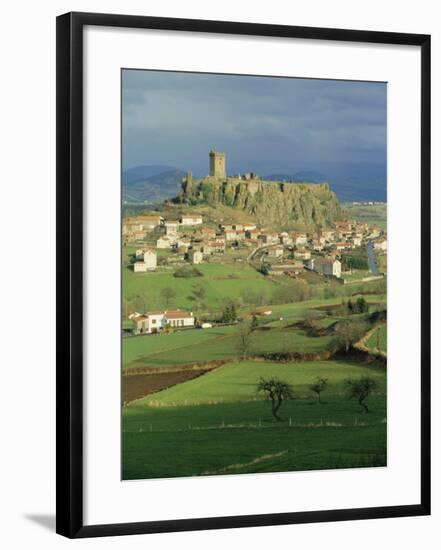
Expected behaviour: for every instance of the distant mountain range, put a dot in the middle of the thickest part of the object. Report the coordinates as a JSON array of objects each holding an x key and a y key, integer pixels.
[
  {"x": 151, "y": 184},
  {"x": 351, "y": 182}
]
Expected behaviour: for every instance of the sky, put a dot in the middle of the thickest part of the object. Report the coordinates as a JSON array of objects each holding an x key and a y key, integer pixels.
[{"x": 263, "y": 124}]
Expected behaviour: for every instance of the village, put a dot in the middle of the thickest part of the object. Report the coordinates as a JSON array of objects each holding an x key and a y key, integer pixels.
[{"x": 160, "y": 242}]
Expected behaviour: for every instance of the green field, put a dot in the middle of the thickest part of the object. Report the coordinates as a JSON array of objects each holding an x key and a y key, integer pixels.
[
  {"x": 237, "y": 381},
  {"x": 146, "y": 345},
  {"x": 276, "y": 334},
  {"x": 231, "y": 430},
  {"x": 378, "y": 339},
  {"x": 373, "y": 214},
  {"x": 218, "y": 281}
]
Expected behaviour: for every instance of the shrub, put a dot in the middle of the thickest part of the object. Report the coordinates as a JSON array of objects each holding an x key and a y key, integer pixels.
[{"x": 187, "y": 272}]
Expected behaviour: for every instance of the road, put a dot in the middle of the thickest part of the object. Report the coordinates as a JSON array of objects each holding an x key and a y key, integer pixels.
[{"x": 371, "y": 256}]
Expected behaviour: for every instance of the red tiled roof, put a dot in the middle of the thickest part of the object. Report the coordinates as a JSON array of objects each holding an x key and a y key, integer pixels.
[{"x": 177, "y": 314}]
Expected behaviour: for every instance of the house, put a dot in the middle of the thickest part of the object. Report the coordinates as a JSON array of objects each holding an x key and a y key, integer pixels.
[
  {"x": 146, "y": 260},
  {"x": 299, "y": 238},
  {"x": 149, "y": 323},
  {"x": 325, "y": 266},
  {"x": 141, "y": 222},
  {"x": 165, "y": 241},
  {"x": 269, "y": 238},
  {"x": 191, "y": 220},
  {"x": 195, "y": 256},
  {"x": 238, "y": 227},
  {"x": 357, "y": 240},
  {"x": 230, "y": 235},
  {"x": 302, "y": 254},
  {"x": 219, "y": 243},
  {"x": 171, "y": 227},
  {"x": 179, "y": 318},
  {"x": 227, "y": 227},
  {"x": 286, "y": 239},
  {"x": 251, "y": 233},
  {"x": 153, "y": 322},
  {"x": 183, "y": 242}
]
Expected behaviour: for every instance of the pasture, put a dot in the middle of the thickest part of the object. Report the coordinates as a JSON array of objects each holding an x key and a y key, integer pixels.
[
  {"x": 223, "y": 345},
  {"x": 221, "y": 426},
  {"x": 275, "y": 334}
]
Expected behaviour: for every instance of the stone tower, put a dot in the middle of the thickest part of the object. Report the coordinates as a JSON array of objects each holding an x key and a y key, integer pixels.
[{"x": 217, "y": 164}]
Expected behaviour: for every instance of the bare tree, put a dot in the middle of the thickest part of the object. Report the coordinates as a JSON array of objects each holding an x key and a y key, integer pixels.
[
  {"x": 276, "y": 391},
  {"x": 245, "y": 335},
  {"x": 360, "y": 389},
  {"x": 319, "y": 385}
]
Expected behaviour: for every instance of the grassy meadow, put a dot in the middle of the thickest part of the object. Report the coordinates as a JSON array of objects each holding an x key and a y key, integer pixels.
[{"x": 221, "y": 426}]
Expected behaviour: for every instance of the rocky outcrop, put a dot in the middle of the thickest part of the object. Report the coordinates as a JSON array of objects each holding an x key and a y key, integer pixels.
[{"x": 288, "y": 205}]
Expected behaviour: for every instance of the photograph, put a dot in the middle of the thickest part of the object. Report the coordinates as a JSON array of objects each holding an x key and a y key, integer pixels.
[{"x": 253, "y": 274}]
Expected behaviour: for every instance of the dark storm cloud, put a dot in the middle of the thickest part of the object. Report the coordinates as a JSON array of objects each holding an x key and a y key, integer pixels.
[{"x": 175, "y": 118}]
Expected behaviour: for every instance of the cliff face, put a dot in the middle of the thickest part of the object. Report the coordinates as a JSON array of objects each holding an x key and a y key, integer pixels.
[{"x": 280, "y": 204}]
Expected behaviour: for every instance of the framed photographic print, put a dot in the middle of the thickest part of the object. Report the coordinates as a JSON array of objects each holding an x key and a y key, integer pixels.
[{"x": 243, "y": 259}]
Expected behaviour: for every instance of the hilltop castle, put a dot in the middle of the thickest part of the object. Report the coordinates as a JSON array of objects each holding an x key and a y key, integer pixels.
[
  {"x": 268, "y": 202},
  {"x": 218, "y": 171}
]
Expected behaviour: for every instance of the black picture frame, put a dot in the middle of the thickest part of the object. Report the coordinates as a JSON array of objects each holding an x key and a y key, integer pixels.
[{"x": 69, "y": 332}]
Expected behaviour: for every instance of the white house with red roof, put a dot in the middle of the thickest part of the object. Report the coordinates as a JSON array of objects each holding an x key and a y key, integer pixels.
[{"x": 152, "y": 322}]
